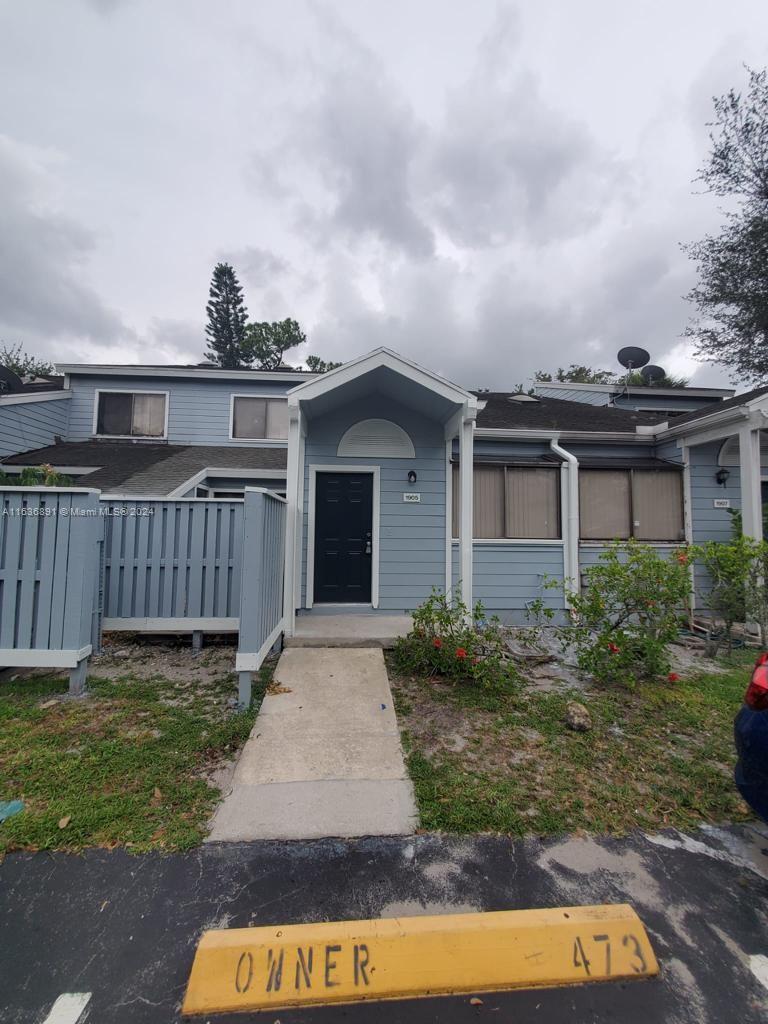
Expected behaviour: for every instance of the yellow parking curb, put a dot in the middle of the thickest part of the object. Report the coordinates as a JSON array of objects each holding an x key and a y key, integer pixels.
[{"x": 351, "y": 961}]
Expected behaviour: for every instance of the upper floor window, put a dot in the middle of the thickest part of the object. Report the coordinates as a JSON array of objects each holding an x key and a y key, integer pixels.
[
  {"x": 259, "y": 418},
  {"x": 646, "y": 504},
  {"x": 131, "y": 413}
]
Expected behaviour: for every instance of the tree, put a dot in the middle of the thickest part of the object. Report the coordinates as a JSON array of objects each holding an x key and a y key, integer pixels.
[
  {"x": 317, "y": 365},
  {"x": 267, "y": 343},
  {"x": 730, "y": 323},
  {"x": 22, "y": 363},
  {"x": 227, "y": 319},
  {"x": 575, "y": 374}
]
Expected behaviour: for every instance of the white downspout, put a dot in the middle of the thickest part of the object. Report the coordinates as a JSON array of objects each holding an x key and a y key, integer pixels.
[{"x": 571, "y": 526}]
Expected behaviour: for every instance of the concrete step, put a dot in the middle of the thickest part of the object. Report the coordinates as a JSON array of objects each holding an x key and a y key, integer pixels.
[{"x": 330, "y": 808}]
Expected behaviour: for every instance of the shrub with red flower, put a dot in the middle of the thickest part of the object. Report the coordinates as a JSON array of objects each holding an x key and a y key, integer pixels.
[
  {"x": 437, "y": 642},
  {"x": 673, "y": 677},
  {"x": 614, "y": 648},
  {"x": 460, "y": 652}
]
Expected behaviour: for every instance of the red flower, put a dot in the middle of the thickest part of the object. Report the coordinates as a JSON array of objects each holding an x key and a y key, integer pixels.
[
  {"x": 437, "y": 642},
  {"x": 613, "y": 648},
  {"x": 460, "y": 652},
  {"x": 682, "y": 557},
  {"x": 673, "y": 677}
]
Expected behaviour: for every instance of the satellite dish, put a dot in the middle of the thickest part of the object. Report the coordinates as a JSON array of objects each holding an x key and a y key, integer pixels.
[
  {"x": 652, "y": 373},
  {"x": 632, "y": 357},
  {"x": 9, "y": 381}
]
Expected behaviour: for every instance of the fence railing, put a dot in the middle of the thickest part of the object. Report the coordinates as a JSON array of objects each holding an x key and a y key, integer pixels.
[
  {"x": 172, "y": 565},
  {"x": 261, "y": 596},
  {"x": 49, "y": 577}
]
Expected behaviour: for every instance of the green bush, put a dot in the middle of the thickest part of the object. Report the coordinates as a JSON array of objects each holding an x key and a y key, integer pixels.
[
  {"x": 628, "y": 612},
  {"x": 447, "y": 641},
  {"x": 35, "y": 476},
  {"x": 737, "y": 571}
]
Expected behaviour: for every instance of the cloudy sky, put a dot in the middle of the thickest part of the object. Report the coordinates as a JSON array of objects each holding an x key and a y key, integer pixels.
[{"x": 485, "y": 187}]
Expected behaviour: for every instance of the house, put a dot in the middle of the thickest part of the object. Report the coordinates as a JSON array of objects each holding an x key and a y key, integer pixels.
[
  {"x": 397, "y": 480},
  {"x": 671, "y": 401}
]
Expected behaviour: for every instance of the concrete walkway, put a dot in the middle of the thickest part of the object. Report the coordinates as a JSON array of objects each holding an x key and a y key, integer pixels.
[
  {"x": 324, "y": 756},
  {"x": 367, "y": 629}
]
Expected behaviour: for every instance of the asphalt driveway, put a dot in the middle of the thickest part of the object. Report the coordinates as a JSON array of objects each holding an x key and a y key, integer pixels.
[{"x": 124, "y": 928}]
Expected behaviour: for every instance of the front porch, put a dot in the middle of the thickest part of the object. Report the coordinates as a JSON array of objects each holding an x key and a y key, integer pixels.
[{"x": 324, "y": 627}]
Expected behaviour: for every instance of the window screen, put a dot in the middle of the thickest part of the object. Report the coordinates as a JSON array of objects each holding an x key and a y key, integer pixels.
[
  {"x": 125, "y": 414},
  {"x": 260, "y": 418},
  {"x": 619, "y": 503},
  {"x": 657, "y": 505},
  {"x": 512, "y": 502},
  {"x": 604, "y": 504}
]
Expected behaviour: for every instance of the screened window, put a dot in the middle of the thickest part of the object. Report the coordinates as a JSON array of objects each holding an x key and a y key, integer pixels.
[
  {"x": 259, "y": 417},
  {"x": 646, "y": 504},
  {"x": 513, "y": 502},
  {"x": 130, "y": 414}
]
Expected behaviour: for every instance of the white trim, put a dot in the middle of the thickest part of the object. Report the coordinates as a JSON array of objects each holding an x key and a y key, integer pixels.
[
  {"x": 171, "y": 625},
  {"x": 253, "y": 662},
  {"x": 693, "y": 428},
  {"x": 155, "y": 497},
  {"x": 534, "y": 434},
  {"x": 671, "y": 544},
  {"x": 448, "y": 518},
  {"x": 688, "y": 517},
  {"x": 15, "y": 398},
  {"x": 239, "y": 394},
  {"x": 247, "y": 474},
  {"x": 295, "y": 497},
  {"x": 635, "y": 389},
  {"x": 50, "y": 490},
  {"x": 299, "y": 536},
  {"x": 513, "y": 541},
  {"x": 29, "y": 658},
  {"x": 375, "y": 472},
  {"x": 119, "y": 370},
  {"x": 466, "y": 521},
  {"x": 381, "y": 357},
  {"x": 129, "y": 437},
  {"x": 19, "y": 467}
]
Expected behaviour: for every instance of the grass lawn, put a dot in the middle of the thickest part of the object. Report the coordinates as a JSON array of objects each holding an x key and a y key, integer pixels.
[
  {"x": 658, "y": 755},
  {"x": 128, "y": 766}
]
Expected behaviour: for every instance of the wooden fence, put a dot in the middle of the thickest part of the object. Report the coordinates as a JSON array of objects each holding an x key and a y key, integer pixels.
[
  {"x": 261, "y": 600},
  {"x": 50, "y": 541},
  {"x": 172, "y": 565}
]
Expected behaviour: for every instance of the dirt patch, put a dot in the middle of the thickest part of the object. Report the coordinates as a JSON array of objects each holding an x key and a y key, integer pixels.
[{"x": 145, "y": 659}]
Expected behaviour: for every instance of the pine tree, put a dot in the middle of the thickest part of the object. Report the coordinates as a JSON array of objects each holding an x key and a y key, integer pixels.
[{"x": 227, "y": 319}]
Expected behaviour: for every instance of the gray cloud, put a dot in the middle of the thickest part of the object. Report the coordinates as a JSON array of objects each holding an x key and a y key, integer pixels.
[
  {"x": 259, "y": 267},
  {"x": 44, "y": 294}
]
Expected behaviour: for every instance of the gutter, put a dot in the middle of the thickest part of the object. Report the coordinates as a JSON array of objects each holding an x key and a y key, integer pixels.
[{"x": 571, "y": 530}]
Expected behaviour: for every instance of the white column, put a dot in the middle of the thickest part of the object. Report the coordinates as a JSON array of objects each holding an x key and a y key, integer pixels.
[
  {"x": 448, "y": 519},
  {"x": 466, "y": 455},
  {"x": 751, "y": 499},
  {"x": 292, "y": 495}
]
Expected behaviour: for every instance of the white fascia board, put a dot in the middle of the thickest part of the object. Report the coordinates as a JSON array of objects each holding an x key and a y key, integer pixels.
[
  {"x": 111, "y": 370},
  {"x": 50, "y": 490},
  {"x": 35, "y": 396},
  {"x": 520, "y": 434},
  {"x": 381, "y": 357},
  {"x": 214, "y": 471},
  {"x": 635, "y": 389},
  {"x": 735, "y": 415}
]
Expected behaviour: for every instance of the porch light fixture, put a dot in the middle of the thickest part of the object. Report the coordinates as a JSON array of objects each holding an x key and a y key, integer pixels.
[
  {"x": 722, "y": 476},
  {"x": 412, "y": 476}
]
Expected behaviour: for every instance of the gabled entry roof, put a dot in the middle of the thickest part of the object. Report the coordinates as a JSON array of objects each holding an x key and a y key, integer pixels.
[{"x": 386, "y": 371}]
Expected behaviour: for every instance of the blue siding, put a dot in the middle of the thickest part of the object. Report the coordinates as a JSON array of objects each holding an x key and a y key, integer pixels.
[
  {"x": 710, "y": 523},
  {"x": 412, "y": 541},
  {"x": 198, "y": 410},
  {"x": 25, "y": 426},
  {"x": 506, "y": 577}
]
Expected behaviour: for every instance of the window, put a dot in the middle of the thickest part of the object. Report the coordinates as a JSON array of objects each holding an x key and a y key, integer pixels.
[
  {"x": 257, "y": 418},
  {"x": 131, "y": 414},
  {"x": 616, "y": 504},
  {"x": 512, "y": 502}
]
